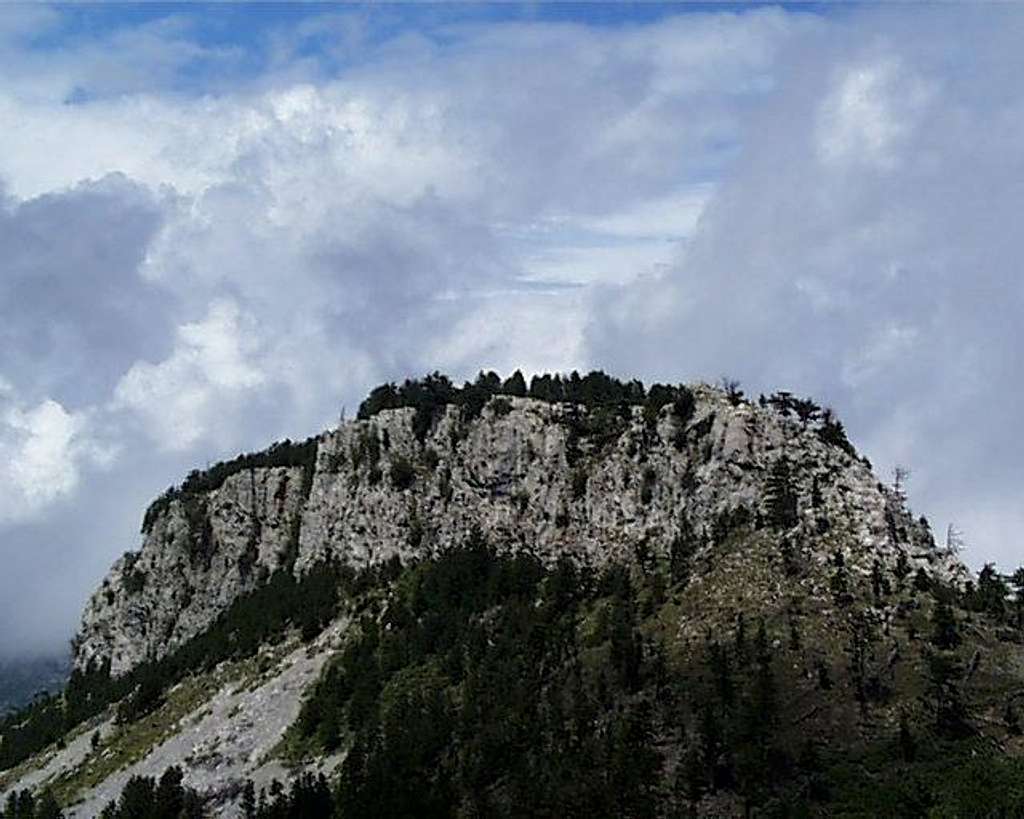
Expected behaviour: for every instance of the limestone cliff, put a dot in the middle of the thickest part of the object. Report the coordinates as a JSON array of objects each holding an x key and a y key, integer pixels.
[{"x": 553, "y": 478}]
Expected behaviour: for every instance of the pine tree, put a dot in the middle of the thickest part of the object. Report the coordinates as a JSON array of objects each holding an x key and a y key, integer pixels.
[
  {"x": 781, "y": 497},
  {"x": 1018, "y": 596},
  {"x": 922, "y": 582},
  {"x": 515, "y": 385},
  {"x": 944, "y": 692},
  {"x": 48, "y": 808},
  {"x": 907, "y": 743},
  {"x": 249, "y": 800},
  {"x": 902, "y": 570},
  {"x": 876, "y": 580},
  {"x": 681, "y": 551},
  {"x": 944, "y": 630}
]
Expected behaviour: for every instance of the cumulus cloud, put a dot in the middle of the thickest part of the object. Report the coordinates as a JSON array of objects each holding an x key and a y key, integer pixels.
[
  {"x": 42, "y": 449},
  {"x": 864, "y": 251},
  {"x": 211, "y": 368},
  {"x": 75, "y": 312},
  {"x": 197, "y": 265},
  {"x": 194, "y": 271}
]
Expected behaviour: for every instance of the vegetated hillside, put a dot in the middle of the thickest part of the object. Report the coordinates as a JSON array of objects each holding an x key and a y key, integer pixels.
[{"x": 581, "y": 598}]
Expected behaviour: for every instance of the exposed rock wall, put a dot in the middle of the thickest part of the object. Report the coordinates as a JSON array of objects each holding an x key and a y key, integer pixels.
[
  {"x": 526, "y": 474},
  {"x": 196, "y": 559}
]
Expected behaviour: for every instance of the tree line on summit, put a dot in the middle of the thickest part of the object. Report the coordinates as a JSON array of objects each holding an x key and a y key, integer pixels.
[
  {"x": 608, "y": 399},
  {"x": 482, "y": 682}
]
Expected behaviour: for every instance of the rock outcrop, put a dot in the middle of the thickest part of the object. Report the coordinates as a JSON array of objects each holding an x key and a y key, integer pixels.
[
  {"x": 197, "y": 557},
  {"x": 555, "y": 479}
]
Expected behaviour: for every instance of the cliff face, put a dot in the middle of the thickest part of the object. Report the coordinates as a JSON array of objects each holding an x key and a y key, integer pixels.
[
  {"x": 550, "y": 478},
  {"x": 197, "y": 557}
]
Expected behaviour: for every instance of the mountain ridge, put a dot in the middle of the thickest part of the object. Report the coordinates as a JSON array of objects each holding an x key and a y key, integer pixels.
[
  {"x": 339, "y": 502},
  {"x": 711, "y": 579}
]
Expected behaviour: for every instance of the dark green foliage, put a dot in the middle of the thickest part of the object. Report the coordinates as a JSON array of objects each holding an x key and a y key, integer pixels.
[
  {"x": 134, "y": 580},
  {"x": 471, "y": 692},
  {"x": 515, "y": 385},
  {"x": 731, "y": 388},
  {"x": 607, "y": 399},
  {"x": 472, "y": 400},
  {"x": 832, "y": 432},
  {"x": 366, "y": 449},
  {"x": 944, "y": 675},
  {"x": 907, "y": 742},
  {"x": 989, "y": 594},
  {"x": 703, "y": 426},
  {"x": 501, "y": 406},
  {"x": 781, "y": 500},
  {"x": 145, "y": 798},
  {"x": 428, "y": 396},
  {"x": 430, "y": 459},
  {"x": 861, "y": 638},
  {"x": 403, "y": 475},
  {"x": 490, "y": 685},
  {"x": 945, "y": 634},
  {"x": 146, "y": 697},
  {"x": 681, "y": 551},
  {"x": 200, "y": 545},
  {"x": 787, "y": 552},
  {"x": 1017, "y": 579},
  {"x": 599, "y": 426},
  {"x": 902, "y": 570},
  {"x": 730, "y": 521},
  {"x": 839, "y": 582},
  {"x": 650, "y": 479},
  {"x": 579, "y": 483},
  {"x": 878, "y": 581},
  {"x": 309, "y": 797},
  {"x": 786, "y": 404},
  {"x": 922, "y": 581},
  {"x": 261, "y": 616},
  {"x": 283, "y": 453},
  {"x": 19, "y": 805},
  {"x": 683, "y": 405}
]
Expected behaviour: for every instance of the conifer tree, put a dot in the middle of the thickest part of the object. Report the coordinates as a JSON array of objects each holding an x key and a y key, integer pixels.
[
  {"x": 515, "y": 385},
  {"x": 781, "y": 497},
  {"x": 1018, "y": 596},
  {"x": 944, "y": 630}
]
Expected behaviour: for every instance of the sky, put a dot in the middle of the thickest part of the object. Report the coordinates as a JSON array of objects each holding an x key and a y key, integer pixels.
[{"x": 221, "y": 225}]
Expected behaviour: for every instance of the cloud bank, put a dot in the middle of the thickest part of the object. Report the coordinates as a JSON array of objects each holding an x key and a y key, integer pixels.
[{"x": 208, "y": 246}]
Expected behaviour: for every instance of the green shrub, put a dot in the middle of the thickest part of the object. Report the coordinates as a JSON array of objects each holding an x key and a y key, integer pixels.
[{"x": 403, "y": 475}]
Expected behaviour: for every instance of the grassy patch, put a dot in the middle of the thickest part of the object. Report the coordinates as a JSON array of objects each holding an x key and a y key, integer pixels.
[{"x": 133, "y": 742}]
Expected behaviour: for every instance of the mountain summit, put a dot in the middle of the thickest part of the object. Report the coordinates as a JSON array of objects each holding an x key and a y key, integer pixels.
[{"x": 575, "y": 597}]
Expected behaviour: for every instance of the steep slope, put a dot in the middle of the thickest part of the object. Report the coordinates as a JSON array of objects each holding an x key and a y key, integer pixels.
[
  {"x": 557, "y": 478},
  {"x": 200, "y": 552},
  {"x": 693, "y": 602}
]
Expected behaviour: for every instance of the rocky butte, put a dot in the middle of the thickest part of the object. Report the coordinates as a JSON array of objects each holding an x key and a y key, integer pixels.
[{"x": 584, "y": 597}]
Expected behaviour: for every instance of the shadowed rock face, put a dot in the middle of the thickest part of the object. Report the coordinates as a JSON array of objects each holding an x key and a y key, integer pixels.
[{"x": 550, "y": 478}]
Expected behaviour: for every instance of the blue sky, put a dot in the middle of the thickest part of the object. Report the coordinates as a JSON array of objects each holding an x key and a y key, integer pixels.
[
  {"x": 220, "y": 224},
  {"x": 249, "y": 29}
]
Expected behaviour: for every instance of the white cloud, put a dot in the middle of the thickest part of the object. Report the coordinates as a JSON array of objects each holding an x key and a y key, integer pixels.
[
  {"x": 864, "y": 251},
  {"x": 870, "y": 109},
  {"x": 42, "y": 451},
  {"x": 197, "y": 388},
  {"x": 823, "y": 205}
]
